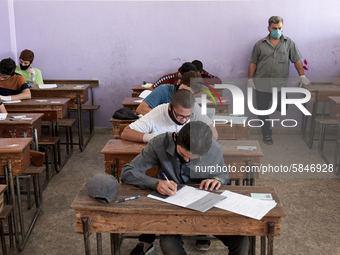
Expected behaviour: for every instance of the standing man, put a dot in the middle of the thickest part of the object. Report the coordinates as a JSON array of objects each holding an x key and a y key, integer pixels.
[{"x": 269, "y": 65}]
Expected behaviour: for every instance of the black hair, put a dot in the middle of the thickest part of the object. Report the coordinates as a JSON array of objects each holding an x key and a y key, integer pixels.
[
  {"x": 193, "y": 80},
  {"x": 198, "y": 64},
  {"x": 196, "y": 137},
  {"x": 183, "y": 98},
  {"x": 186, "y": 67},
  {"x": 7, "y": 66}
]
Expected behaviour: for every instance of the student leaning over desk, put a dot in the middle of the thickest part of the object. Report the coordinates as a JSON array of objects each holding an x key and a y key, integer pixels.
[
  {"x": 169, "y": 117},
  {"x": 12, "y": 85},
  {"x": 177, "y": 155},
  {"x": 31, "y": 74}
]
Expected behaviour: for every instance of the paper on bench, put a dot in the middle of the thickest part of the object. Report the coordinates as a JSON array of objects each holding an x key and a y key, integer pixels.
[
  {"x": 12, "y": 102},
  {"x": 47, "y": 86},
  {"x": 245, "y": 205},
  {"x": 139, "y": 101},
  {"x": 145, "y": 93},
  {"x": 192, "y": 198},
  {"x": 3, "y": 116},
  {"x": 199, "y": 100}
]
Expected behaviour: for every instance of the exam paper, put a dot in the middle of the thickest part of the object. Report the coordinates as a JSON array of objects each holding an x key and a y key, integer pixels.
[
  {"x": 244, "y": 205},
  {"x": 47, "y": 86},
  {"x": 192, "y": 198},
  {"x": 139, "y": 101},
  {"x": 145, "y": 93},
  {"x": 3, "y": 116},
  {"x": 199, "y": 100}
]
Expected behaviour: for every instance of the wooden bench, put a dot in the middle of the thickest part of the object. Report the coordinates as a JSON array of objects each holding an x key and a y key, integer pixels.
[{"x": 85, "y": 108}]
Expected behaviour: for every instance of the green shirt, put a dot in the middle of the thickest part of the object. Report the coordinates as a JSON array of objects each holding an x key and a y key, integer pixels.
[
  {"x": 27, "y": 75},
  {"x": 272, "y": 64}
]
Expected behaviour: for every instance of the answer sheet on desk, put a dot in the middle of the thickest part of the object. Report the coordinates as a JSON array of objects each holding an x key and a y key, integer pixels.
[
  {"x": 246, "y": 206},
  {"x": 192, "y": 198},
  {"x": 145, "y": 93}
]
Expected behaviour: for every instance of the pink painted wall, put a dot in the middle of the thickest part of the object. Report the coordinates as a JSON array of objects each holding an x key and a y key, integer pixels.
[{"x": 125, "y": 43}]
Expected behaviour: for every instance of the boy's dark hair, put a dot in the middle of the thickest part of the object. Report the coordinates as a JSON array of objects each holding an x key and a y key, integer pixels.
[
  {"x": 198, "y": 64},
  {"x": 183, "y": 98},
  {"x": 193, "y": 80},
  {"x": 186, "y": 67},
  {"x": 196, "y": 137},
  {"x": 27, "y": 55},
  {"x": 7, "y": 66}
]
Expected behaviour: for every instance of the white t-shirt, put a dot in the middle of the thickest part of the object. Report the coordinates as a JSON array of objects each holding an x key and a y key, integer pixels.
[{"x": 158, "y": 120}]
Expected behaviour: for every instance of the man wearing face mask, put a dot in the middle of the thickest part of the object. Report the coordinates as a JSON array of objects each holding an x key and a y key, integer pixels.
[
  {"x": 269, "y": 66},
  {"x": 31, "y": 74},
  {"x": 177, "y": 155},
  {"x": 168, "y": 117}
]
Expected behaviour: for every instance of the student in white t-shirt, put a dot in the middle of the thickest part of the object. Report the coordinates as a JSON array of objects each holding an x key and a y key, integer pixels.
[{"x": 169, "y": 117}]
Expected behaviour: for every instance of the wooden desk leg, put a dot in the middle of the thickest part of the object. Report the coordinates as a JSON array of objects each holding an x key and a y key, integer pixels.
[
  {"x": 312, "y": 125},
  {"x": 3, "y": 241},
  {"x": 84, "y": 221},
  {"x": 114, "y": 169},
  {"x": 115, "y": 243},
  {"x": 99, "y": 244},
  {"x": 336, "y": 167},
  {"x": 270, "y": 238},
  {"x": 80, "y": 124},
  {"x": 252, "y": 248},
  {"x": 263, "y": 245}
]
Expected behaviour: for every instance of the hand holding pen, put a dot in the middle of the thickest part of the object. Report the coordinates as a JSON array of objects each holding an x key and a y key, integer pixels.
[{"x": 166, "y": 187}]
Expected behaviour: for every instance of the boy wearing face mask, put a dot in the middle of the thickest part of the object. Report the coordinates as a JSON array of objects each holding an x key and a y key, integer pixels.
[
  {"x": 31, "y": 74},
  {"x": 269, "y": 65}
]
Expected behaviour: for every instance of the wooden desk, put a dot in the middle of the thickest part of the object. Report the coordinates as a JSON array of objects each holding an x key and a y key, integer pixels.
[
  {"x": 319, "y": 93},
  {"x": 149, "y": 216},
  {"x": 49, "y": 107},
  {"x": 334, "y": 107},
  {"x": 117, "y": 153},
  {"x": 118, "y": 126},
  {"x": 130, "y": 103},
  {"x": 137, "y": 89},
  {"x": 78, "y": 94},
  {"x": 14, "y": 160},
  {"x": 19, "y": 128}
]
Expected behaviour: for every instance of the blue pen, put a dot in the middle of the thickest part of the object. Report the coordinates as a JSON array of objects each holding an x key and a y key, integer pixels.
[
  {"x": 127, "y": 199},
  {"x": 166, "y": 178},
  {"x": 60, "y": 86},
  {"x": 156, "y": 128}
]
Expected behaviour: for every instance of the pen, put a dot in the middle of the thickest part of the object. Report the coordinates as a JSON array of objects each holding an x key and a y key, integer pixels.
[
  {"x": 156, "y": 128},
  {"x": 61, "y": 86},
  {"x": 166, "y": 178},
  {"x": 127, "y": 199}
]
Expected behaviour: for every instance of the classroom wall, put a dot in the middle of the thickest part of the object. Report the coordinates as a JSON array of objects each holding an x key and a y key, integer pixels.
[
  {"x": 5, "y": 42},
  {"x": 123, "y": 43}
]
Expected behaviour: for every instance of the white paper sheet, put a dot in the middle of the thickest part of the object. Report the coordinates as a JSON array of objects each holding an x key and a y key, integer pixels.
[
  {"x": 192, "y": 198},
  {"x": 145, "y": 93},
  {"x": 199, "y": 100},
  {"x": 3, "y": 116},
  {"x": 244, "y": 205},
  {"x": 139, "y": 101},
  {"x": 47, "y": 86},
  {"x": 12, "y": 102}
]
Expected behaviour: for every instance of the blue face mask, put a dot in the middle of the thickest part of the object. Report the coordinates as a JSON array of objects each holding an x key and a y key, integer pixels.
[{"x": 276, "y": 34}]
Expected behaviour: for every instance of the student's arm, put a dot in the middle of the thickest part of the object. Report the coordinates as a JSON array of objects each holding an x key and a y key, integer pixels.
[
  {"x": 2, "y": 108},
  {"x": 25, "y": 94},
  {"x": 143, "y": 108},
  {"x": 214, "y": 132},
  {"x": 131, "y": 135},
  {"x": 134, "y": 172}
]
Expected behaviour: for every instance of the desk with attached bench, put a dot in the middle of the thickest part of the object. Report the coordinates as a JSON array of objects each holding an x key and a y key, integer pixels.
[{"x": 150, "y": 216}]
